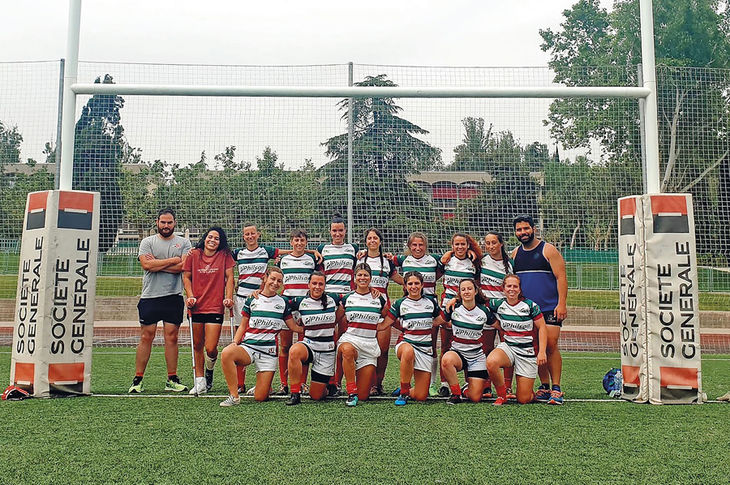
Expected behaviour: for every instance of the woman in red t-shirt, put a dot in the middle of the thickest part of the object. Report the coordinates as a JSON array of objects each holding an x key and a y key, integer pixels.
[{"x": 208, "y": 280}]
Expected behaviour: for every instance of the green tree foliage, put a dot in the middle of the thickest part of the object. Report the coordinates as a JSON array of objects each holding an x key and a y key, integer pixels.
[
  {"x": 99, "y": 150},
  {"x": 385, "y": 150},
  {"x": 691, "y": 102},
  {"x": 10, "y": 140}
]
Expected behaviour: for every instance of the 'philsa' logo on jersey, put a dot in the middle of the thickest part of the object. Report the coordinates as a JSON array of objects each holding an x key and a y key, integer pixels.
[{"x": 279, "y": 307}]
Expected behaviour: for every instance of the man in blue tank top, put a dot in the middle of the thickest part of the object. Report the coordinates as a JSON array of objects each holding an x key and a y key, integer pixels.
[{"x": 541, "y": 269}]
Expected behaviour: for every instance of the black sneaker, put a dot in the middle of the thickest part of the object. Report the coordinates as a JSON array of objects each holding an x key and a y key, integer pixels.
[
  {"x": 376, "y": 391},
  {"x": 208, "y": 379},
  {"x": 294, "y": 399},
  {"x": 332, "y": 390},
  {"x": 444, "y": 391},
  {"x": 283, "y": 390},
  {"x": 242, "y": 389},
  {"x": 454, "y": 399}
]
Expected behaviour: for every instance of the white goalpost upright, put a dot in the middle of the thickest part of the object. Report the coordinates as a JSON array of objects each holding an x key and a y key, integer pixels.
[{"x": 658, "y": 224}]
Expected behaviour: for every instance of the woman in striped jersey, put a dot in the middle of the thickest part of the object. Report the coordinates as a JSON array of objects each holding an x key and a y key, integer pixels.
[
  {"x": 319, "y": 316},
  {"x": 495, "y": 266},
  {"x": 458, "y": 266},
  {"x": 297, "y": 267},
  {"x": 418, "y": 259},
  {"x": 255, "y": 339},
  {"x": 468, "y": 319},
  {"x": 518, "y": 317},
  {"x": 383, "y": 271},
  {"x": 415, "y": 315},
  {"x": 358, "y": 346}
]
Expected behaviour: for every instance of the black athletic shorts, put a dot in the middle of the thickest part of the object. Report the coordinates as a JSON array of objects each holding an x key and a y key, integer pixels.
[
  {"x": 550, "y": 319},
  {"x": 208, "y": 318},
  {"x": 166, "y": 308}
]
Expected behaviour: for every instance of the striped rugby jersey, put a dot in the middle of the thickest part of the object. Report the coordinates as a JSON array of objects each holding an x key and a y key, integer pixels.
[
  {"x": 339, "y": 263},
  {"x": 381, "y": 274},
  {"x": 319, "y": 324},
  {"x": 517, "y": 322},
  {"x": 426, "y": 265},
  {"x": 266, "y": 315},
  {"x": 416, "y": 317},
  {"x": 252, "y": 267},
  {"x": 468, "y": 325},
  {"x": 297, "y": 270},
  {"x": 491, "y": 277},
  {"x": 455, "y": 271},
  {"x": 363, "y": 313}
]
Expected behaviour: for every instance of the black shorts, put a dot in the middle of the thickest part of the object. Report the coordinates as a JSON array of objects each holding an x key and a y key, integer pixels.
[
  {"x": 168, "y": 309},
  {"x": 550, "y": 319},
  {"x": 477, "y": 374},
  {"x": 208, "y": 318}
]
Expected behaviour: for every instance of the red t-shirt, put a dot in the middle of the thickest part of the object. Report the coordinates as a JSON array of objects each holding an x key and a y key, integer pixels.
[{"x": 208, "y": 276}]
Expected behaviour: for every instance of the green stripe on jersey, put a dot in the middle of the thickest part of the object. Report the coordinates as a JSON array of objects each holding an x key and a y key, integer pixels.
[
  {"x": 363, "y": 309},
  {"x": 515, "y": 318},
  {"x": 411, "y": 316},
  {"x": 252, "y": 260},
  {"x": 415, "y": 342},
  {"x": 250, "y": 286},
  {"x": 461, "y": 274},
  {"x": 297, "y": 270},
  {"x": 329, "y": 309},
  {"x": 459, "y": 323},
  {"x": 261, "y": 313},
  {"x": 329, "y": 257},
  {"x": 489, "y": 272}
]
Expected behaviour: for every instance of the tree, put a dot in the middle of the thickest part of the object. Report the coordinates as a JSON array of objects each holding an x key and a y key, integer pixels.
[
  {"x": 99, "y": 149},
  {"x": 10, "y": 140},
  {"x": 385, "y": 150},
  {"x": 691, "y": 102},
  {"x": 473, "y": 153}
]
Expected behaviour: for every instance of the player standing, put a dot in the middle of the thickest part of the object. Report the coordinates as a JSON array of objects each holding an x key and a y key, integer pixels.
[
  {"x": 541, "y": 269},
  {"x": 161, "y": 257}
]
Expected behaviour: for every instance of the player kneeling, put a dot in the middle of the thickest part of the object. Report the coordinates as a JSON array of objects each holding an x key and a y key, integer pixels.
[
  {"x": 255, "y": 339},
  {"x": 320, "y": 314},
  {"x": 517, "y": 317}
]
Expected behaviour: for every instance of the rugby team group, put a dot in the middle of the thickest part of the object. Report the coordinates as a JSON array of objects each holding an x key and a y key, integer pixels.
[{"x": 498, "y": 318}]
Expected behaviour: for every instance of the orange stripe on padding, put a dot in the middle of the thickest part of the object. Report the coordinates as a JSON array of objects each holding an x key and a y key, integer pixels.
[
  {"x": 630, "y": 374},
  {"x": 76, "y": 200},
  {"x": 24, "y": 372},
  {"x": 627, "y": 207},
  {"x": 37, "y": 200},
  {"x": 73, "y": 372},
  {"x": 679, "y": 376},
  {"x": 668, "y": 204}
]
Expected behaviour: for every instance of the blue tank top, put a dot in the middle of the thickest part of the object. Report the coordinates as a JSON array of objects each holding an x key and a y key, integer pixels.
[{"x": 536, "y": 274}]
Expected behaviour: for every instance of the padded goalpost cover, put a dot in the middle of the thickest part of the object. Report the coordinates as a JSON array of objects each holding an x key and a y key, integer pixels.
[
  {"x": 54, "y": 309},
  {"x": 660, "y": 350}
]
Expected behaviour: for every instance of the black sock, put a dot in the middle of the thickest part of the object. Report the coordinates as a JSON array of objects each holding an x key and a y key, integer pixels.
[
  {"x": 174, "y": 378},
  {"x": 556, "y": 387},
  {"x": 544, "y": 386},
  {"x": 136, "y": 380}
]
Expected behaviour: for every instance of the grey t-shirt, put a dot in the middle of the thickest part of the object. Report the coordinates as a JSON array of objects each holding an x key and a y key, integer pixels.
[{"x": 160, "y": 283}]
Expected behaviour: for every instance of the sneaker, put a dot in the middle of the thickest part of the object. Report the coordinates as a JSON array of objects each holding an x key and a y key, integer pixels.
[
  {"x": 208, "y": 379},
  {"x": 433, "y": 391},
  {"x": 444, "y": 390},
  {"x": 305, "y": 390},
  {"x": 487, "y": 394},
  {"x": 136, "y": 388},
  {"x": 251, "y": 391},
  {"x": 351, "y": 400},
  {"x": 242, "y": 389},
  {"x": 376, "y": 391},
  {"x": 199, "y": 386},
  {"x": 332, "y": 390},
  {"x": 500, "y": 401},
  {"x": 294, "y": 399},
  {"x": 464, "y": 389},
  {"x": 175, "y": 386},
  {"x": 395, "y": 393},
  {"x": 724, "y": 397},
  {"x": 556, "y": 397},
  {"x": 402, "y": 400},
  {"x": 511, "y": 395},
  {"x": 230, "y": 401},
  {"x": 454, "y": 399},
  {"x": 542, "y": 395},
  {"x": 283, "y": 390}
]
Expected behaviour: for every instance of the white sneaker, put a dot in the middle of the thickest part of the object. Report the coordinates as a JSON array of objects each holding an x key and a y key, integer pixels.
[
  {"x": 230, "y": 401},
  {"x": 199, "y": 387},
  {"x": 251, "y": 391},
  {"x": 724, "y": 397}
]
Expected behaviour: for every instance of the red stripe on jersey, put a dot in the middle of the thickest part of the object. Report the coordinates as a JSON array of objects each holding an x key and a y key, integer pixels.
[
  {"x": 320, "y": 326},
  {"x": 366, "y": 326},
  {"x": 339, "y": 271},
  {"x": 492, "y": 288},
  {"x": 419, "y": 332},
  {"x": 512, "y": 333},
  {"x": 296, "y": 286},
  {"x": 261, "y": 330},
  {"x": 428, "y": 284},
  {"x": 250, "y": 275},
  {"x": 465, "y": 341}
]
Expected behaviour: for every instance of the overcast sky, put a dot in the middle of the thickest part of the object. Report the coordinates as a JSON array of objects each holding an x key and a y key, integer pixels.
[
  {"x": 274, "y": 32},
  {"x": 454, "y": 33}
]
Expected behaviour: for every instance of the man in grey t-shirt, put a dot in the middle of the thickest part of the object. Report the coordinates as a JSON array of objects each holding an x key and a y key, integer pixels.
[{"x": 161, "y": 257}]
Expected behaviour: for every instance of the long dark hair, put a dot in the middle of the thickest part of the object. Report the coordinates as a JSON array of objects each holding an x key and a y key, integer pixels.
[
  {"x": 505, "y": 258},
  {"x": 323, "y": 298},
  {"x": 479, "y": 297},
  {"x": 380, "y": 246},
  {"x": 474, "y": 246},
  {"x": 222, "y": 243}
]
